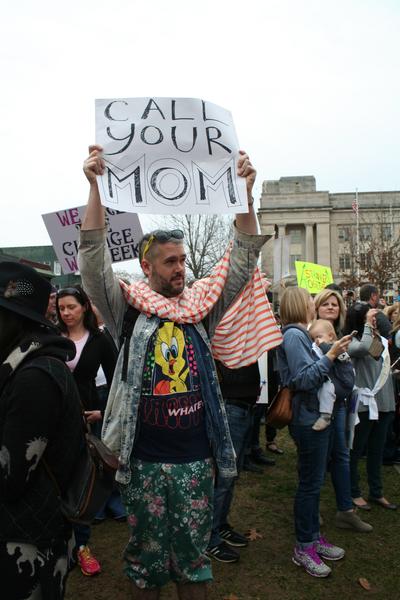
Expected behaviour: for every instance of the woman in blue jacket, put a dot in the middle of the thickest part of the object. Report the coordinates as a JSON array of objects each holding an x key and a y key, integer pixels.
[{"x": 304, "y": 373}]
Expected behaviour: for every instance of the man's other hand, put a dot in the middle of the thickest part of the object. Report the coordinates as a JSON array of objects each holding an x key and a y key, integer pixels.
[{"x": 246, "y": 169}]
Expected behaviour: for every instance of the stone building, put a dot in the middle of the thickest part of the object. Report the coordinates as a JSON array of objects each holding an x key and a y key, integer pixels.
[{"x": 322, "y": 225}]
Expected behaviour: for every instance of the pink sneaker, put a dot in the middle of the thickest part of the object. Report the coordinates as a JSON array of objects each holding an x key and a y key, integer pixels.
[
  {"x": 309, "y": 559},
  {"x": 328, "y": 551},
  {"x": 88, "y": 563}
]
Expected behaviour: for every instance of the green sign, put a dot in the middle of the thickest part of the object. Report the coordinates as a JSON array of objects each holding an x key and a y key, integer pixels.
[{"x": 312, "y": 277}]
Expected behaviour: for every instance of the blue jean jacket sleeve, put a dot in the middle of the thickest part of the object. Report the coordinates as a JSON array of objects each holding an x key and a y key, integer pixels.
[{"x": 304, "y": 372}]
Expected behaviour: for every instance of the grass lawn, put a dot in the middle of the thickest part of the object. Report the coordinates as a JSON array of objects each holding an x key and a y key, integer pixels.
[{"x": 265, "y": 570}]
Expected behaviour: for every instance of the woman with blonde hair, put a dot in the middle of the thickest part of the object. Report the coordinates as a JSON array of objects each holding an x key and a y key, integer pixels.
[
  {"x": 304, "y": 373},
  {"x": 392, "y": 312},
  {"x": 330, "y": 305}
]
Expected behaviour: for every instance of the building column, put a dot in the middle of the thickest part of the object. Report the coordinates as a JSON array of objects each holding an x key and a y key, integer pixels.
[
  {"x": 324, "y": 245},
  {"x": 267, "y": 251},
  {"x": 281, "y": 230},
  {"x": 310, "y": 243}
]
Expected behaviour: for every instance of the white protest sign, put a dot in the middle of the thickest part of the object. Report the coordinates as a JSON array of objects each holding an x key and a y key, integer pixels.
[
  {"x": 123, "y": 235},
  {"x": 263, "y": 368},
  {"x": 169, "y": 155}
]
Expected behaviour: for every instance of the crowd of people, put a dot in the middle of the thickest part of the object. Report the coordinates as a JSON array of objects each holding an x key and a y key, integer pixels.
[
  {"x": 348, "y": 385},
  {"x": 178, "y": 410}
]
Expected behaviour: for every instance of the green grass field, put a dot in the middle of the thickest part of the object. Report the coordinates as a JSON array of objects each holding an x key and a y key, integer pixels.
[{"x": 265, "y": 570}]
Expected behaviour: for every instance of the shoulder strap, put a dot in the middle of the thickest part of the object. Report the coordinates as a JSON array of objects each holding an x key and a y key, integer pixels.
[{"x": 128, "y": 324}]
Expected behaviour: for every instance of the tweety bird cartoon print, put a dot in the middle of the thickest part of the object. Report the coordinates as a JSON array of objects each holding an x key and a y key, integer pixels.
[
  {"x": 171, "y": 367},
  {"x": 171, "y": 419}
]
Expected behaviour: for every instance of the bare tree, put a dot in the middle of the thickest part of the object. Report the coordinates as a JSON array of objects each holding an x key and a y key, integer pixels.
[
  {"x": 377, "y": 259},
  {"x": 206, "y": 239}
]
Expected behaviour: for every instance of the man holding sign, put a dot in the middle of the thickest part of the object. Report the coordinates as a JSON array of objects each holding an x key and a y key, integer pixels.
[{"x": 165, "y": 416}]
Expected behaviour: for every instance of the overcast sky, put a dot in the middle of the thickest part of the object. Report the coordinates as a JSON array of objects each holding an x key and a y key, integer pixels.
[{"x": 313, "y": 86}]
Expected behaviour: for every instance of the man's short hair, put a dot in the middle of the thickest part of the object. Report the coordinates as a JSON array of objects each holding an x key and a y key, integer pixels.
[
  {"x": 150, "y": 241},
  {"x": 366, "y": 291},
  {"x": 335, "y": 287}
]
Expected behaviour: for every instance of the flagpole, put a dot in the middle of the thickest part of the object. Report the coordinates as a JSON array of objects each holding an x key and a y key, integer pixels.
[{"x": 358, "y": 239}]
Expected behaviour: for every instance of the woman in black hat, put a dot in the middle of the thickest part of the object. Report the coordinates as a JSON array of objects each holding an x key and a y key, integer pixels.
[{"x": 40, "y": 431}]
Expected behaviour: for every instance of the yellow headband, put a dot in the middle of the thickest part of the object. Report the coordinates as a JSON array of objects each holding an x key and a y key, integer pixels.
[{"x": 147, "y": 246}]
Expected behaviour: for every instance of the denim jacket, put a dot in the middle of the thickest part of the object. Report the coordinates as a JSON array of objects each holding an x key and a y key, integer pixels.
[
  {"x": 120, "y": 416},
  {"x": 302, "y": 371}
]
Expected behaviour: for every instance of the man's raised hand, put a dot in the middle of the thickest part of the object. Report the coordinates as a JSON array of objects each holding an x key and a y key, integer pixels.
[{"x": 94, "y": 164}]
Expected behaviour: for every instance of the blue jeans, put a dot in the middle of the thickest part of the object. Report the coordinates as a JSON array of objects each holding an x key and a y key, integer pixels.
[
  {"x": 339, "y": 460},
  {"x": 312, "y": 452},
  {"x": 370, "y": 434},
  {"x": 82, "y": 534},
  {"x": 259, "y": 412},
  {"x": 240, "y": 423},
  {"x": 113, "y": 505}
]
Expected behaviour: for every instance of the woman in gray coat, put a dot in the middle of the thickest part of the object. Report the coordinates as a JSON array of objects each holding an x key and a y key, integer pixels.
[{"x": 371, "y": 376}]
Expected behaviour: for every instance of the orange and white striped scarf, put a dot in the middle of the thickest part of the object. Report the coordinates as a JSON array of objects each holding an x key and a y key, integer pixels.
[{"x": 247, "y": 329}]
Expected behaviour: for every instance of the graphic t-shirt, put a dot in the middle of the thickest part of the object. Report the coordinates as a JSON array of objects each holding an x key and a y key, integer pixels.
[{"x": 171, "y": 419}]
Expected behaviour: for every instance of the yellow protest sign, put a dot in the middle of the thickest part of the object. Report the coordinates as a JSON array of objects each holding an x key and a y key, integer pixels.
[{"x": 312, "y": 277}]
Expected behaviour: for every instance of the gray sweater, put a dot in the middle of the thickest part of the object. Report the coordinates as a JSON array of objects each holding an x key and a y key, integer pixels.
[{"x": 368, "y": 369}]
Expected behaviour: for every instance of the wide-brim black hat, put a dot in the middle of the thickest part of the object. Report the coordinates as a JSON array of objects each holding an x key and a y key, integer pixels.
[{"x": 24, "y": 292}]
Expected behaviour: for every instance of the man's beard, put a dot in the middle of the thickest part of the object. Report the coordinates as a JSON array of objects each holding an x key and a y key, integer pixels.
[{"x": 166, "y": 288}]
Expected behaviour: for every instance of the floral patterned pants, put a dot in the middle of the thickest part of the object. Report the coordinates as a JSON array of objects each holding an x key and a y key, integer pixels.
[{"x": 169, "y": 509}]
